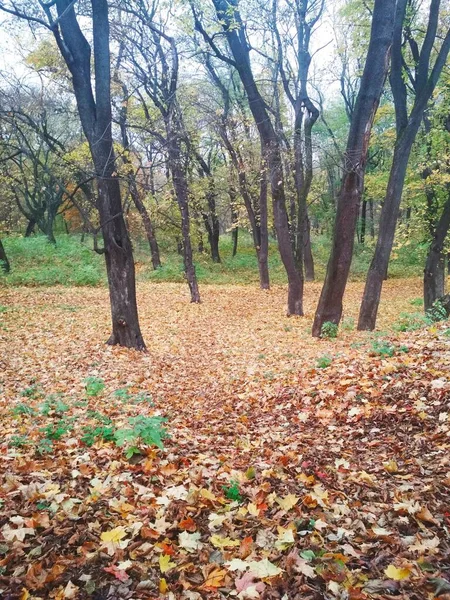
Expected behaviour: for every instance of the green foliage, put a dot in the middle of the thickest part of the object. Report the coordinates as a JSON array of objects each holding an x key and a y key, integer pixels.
[
  {"x": 329, "y": 330},
  {"x": 33, "y": 392},
  {"x": 383, "y": 348},
  {"x": 416, "y": 302},
  {"x": 437, "y": 312},
  {"x": 411, "y": 322},
  {"x": 101, "y": 432},
  {"x": 143, "y": 430},
  {"x": 232, "y": 491},
  {"x": 22, "y": 409},
  {"x": 324, "y": 361},
  {"x": 94, "y": 386},
  {"x": 45, "y": 446},
  {"x": 54, "y": 404},
  {"x": 18, "y": 441},
  {"x": 57, "y": 429}
]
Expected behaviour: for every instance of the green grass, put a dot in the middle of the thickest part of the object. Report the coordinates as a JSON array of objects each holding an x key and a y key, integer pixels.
[{"x": 35, "y": 262}]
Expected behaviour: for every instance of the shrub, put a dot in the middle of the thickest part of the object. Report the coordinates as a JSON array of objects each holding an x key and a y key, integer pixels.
[
  {"x": 329, "y": 330},
  {"x": 144, "y": 430},
  {"x": 94, "y": 386}
]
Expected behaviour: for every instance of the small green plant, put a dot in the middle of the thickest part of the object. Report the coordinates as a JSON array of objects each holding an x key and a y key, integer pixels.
[
  {"x": 18, "y": 441},
  {"x": 123, "y": 394},
  {"x": 98, "y": 416},
  {"x": 92, "y": 434},
  {"x": 329, "y": 330},
  {"x": 3, "y": 309},
  {"x": 144, "y": 430},
  {"x": 32, "y": 392},
  {"x": 94, "y": 386},
  {"x": 383, "y": 348},
  {"x": 437, "y": 312},
  {"x": 54, "y": 404},
  {"x": 22, "y": 409},
  {"x": 232, "y": 491},
  {"x": 57, "y": 429},
  {"x": 447, "y": 332},
  {"x": 348, "y": 324},
  {"x": 416, "y": 302},
  {"x": 412, "y": 322},
  {"x": 324, "y": 361},
  {"x": 45, "y": 446}
]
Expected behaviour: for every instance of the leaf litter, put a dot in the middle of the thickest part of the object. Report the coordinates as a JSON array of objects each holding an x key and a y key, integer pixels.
[{"x": 279, "y": 479}]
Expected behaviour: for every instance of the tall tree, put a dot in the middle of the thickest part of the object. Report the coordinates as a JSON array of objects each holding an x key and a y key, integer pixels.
[
  {"x": 229, "y": 16},
  {"x": 375, "y": 70},
  {"x": 423, "y": 77},
  {"x": 94, "y": 107},
  {"x": 295, "y": 78}
]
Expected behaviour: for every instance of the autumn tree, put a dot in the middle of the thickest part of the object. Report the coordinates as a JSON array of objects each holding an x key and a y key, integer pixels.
[
  {"x": 422, "y": 74},
  {"x": 329, "y": 308}
]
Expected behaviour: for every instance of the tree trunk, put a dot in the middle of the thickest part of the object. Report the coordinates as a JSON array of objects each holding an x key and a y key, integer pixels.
[
  {"x": 4, "y": 262},
  {"x": 434, "y": 272},
  {"x": 377, "y": 61},
  {"x": 235, "y": 237},
  {"x": 96, "y": 117},
  {"x": 407, "y": 128},
  {"x": 372, "y": 220},
  {"x": 30, "y": 227},
  {"x": 181, "y": 192},
  {"x": 308, "y": 256},
  {"x": 234, "y": 219},
  {"x": 263, "y": 251},
  {"x": 362, "y": 235}
]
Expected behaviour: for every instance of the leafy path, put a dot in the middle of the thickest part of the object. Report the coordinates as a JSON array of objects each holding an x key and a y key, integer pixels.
[{"x": 279, "y": 479}]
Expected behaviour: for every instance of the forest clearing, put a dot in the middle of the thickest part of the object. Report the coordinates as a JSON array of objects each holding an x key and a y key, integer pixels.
[{"x": 292, "y": 467}]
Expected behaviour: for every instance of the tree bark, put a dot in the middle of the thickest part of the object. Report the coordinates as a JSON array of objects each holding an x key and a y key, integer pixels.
[
  {"x": 96, "y": 117},
  {"x": 4, "y": 262},
  {"x": 377, "y": 61},
  {"x": 362, "y": 235},
  {"x": 30, "y": 227},
  {"x": 308, "y": 255},
  {"x": 181, "y": 192},
  {"x": 263, "y": 249},
  {"x": 407, "y": 128}
]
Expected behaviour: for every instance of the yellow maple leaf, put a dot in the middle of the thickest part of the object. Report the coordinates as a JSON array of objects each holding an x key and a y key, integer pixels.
[
  {"x": 114, "y": 535},
  {"x": 223, "y": 542},
  {"x": 163, "y": 587},
  {"x": 253, "y": 509},
  {"x": 397, "y": 574},
  {"x": 287, "y": 502},
  {"x": 165, "y": 564}
]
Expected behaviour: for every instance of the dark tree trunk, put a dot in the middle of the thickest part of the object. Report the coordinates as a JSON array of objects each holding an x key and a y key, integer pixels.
[
  {"x": 4, "y": 262},
  {"x": 377, "y": 61},
  {"x": 434, "y": 272},
  {"x": 234, "y": 219},
  {"x": 181, "y": 192},
  {"x": 308, "y": 256},
  {"x": 372, "y": 219},
  {"x": 96, "y": 117},
  {"x": 362, "y": 235},
  {"x": 271, "y": 151},
  {"x": 30, "y": 228},
  {"x": 407, "y": 128},
  {"x": 263, "y": 251}
]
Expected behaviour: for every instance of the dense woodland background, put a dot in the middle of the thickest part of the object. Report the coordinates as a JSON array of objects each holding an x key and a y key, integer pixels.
[{"x": 221, "y": 142}]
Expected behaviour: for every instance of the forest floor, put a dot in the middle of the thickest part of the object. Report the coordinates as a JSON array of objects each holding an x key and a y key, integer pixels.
[{"x": 294, "y": 467}]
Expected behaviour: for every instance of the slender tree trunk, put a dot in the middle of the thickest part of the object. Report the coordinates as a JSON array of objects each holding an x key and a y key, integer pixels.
[
  {"x": 263, "y": 252},
  {"x": 30, "y": 227},
  {"x": 362, "y": 235},
  {"x": 181, "y": 192},
  {"x": 434, "y": 272},
  {"x": 308, "y": 255},
  {"x": 4, "y": 262},
  {"x": 372, "y": 219},
  {"x": 377, "y": 61},
  {"x": 388, "y": 221},
  {"x": 234, "y": 218}
]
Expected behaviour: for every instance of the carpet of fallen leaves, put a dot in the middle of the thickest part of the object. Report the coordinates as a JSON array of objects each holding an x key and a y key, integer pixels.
[{"x": 280, "y": 479}]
